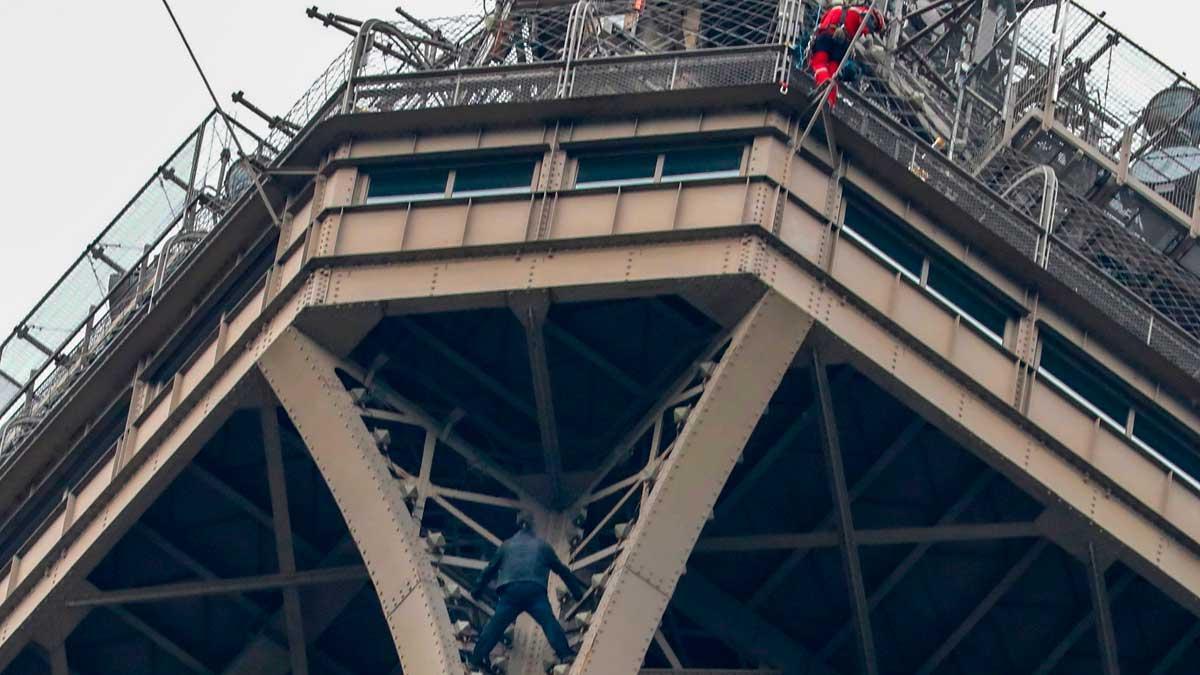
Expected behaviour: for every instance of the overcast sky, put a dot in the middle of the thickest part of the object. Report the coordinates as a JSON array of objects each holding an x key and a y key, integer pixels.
[{"x": 98, "y": 101}]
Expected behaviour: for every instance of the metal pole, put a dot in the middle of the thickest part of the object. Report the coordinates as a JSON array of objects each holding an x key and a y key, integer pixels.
[
  {"x": 189, "y": 217},
  {"x": 1101, "y": 609},
  {"x": 1056, "y": 61},
  {"x": 836, "y": 471},
  {"x": 1008, "y": 110}
]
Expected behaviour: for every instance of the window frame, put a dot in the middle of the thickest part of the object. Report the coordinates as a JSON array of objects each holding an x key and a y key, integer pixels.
[
  {"x": 448, "y": 192},
  {"x": 929, "y": 257},
  {"x": 659, "y": 176},
  {"x": 455, "y": 193},
  {"x": 1127, "y": 429}
]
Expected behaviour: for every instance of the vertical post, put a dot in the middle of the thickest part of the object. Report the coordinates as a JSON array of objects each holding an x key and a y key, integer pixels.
[
  {"x": 1126, "y": 155},
  {"x": 58, "y": 660},
  {"x": 687, "y": 485},
  {"x": 1009, "y": 109},
  {"x": 1056, "y": 62},
  {"x": 836, "y": 472},
  {"x": 189, "y": 203},
  {"x": 284, "y": 548},
  {"x": 1101, "y": 609},
  {"x": 1195, "y": 228}
]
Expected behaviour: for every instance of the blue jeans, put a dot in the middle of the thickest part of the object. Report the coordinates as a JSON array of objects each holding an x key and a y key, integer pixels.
[{"x": 515, "y": 599}]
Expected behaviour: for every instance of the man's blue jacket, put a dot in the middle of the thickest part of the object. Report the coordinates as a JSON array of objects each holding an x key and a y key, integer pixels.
[{"x": 526, "y": 557}]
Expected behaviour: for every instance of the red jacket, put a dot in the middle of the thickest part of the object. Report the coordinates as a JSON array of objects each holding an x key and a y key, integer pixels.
[{"x": 854, "y": 17}]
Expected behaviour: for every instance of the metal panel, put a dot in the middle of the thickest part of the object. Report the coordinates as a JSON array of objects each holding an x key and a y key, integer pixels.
[
  {"x": 302, "y": 375},
  {"x": 688, "y": 485},
  {"x": 955, "y": 397}
]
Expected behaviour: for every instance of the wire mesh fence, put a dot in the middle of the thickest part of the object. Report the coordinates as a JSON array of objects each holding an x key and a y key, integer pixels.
[
  {"x": 939, "y": 85},
  {"x": 115, "y": 279}
]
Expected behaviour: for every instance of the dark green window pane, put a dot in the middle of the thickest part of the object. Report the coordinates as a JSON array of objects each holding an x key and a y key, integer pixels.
[
  {"x": 885, "y": 236},
  {"x": 625, "y": 167},
  {"x": 970, "y": 296},
  {"x": 498, "y": 176},
  {"x": 1089, "y": 381},
  {"x": 1169, "y": 439},
  {"x": 702, "y": 160},
  {"x": 408, "y": 182}
]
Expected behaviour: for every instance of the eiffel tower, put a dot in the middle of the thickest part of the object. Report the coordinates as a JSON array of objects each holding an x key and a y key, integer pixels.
[{"x": 903, "y": 384}]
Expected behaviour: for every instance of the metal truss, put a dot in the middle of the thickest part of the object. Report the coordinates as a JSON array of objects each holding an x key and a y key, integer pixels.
[
  {"x": 689, "y": 482},
  {"x": 373, "y": 505},
  {"x": 646, "y": 501}
]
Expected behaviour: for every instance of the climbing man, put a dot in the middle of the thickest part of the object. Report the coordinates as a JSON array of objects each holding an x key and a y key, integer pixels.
[
  {"x": 522, "y": 568},
  {"x": 835, "y": 33}
]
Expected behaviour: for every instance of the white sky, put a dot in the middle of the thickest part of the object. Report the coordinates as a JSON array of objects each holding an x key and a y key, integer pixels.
[{"x": 98, "y": 93}]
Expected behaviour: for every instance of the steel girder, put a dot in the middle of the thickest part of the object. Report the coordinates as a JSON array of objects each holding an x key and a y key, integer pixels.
[
  {"x": 303, "y": 376},
  {"x": 931, "y": 377},
  {"x": 687, "y": 487}
]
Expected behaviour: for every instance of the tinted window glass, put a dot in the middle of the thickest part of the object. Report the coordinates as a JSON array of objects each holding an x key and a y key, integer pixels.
[
  {"x": 1086, "y": 380},
  {"x": 414, "y": 182},
  {"x": 499, "y": 176},
  {"x": 884, "y": 236},
  {"x": 968, "y": 295},
  {"x": 617, "y": 168},
  {"x": 1168, "y": 438},
  {"x": 723, "y": 159}
]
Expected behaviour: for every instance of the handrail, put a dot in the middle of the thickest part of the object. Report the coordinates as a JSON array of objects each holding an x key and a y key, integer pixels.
[{"x": 1049, "y": 204}]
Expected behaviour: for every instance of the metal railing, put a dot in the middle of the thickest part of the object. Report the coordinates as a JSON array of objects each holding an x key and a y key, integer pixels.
[
  {"x": 598, "y": 48},
  {"x": 116, "y": 278},
  {"x": 520, "y": 58}
]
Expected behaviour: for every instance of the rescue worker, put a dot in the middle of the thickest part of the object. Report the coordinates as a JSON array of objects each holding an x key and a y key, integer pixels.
[
  {"x": 835, "y": 32},
  {"x": 522, "y": 568}
]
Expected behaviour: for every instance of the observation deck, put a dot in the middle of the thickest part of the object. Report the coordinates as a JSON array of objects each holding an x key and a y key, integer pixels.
[{"x": 991, "y": 233}]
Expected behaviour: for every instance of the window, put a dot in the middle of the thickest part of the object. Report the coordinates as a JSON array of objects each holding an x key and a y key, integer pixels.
[
  {"x": 422, "y": 183},
  {"x": 944, "y": 279},
  {"x": 644, "y": 167},
  {"x": 956, "y": 289},
  {"x": 493, "y": 179},
  {"x": 716, "y": 162},
  {"x": 1107, "y": 397},
  {"x": 614, "y": 169},
  {"x": 407, "y": 185},
  {"x": 882, "y": 239},
  {"x": 1167, "y": 440},
  {"x": 1084, "y": 382}
]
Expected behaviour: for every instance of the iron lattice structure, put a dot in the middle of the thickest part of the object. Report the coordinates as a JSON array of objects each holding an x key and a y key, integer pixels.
[
  {"x": 757, "y": 441},
  {"x": 979, "y": 78}
]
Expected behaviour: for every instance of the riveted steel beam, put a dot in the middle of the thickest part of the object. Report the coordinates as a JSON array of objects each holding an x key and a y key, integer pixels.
[
  {"x": 161, "y": 641},
  {"x": 1098, "y": 590},
  {"x": 58, "y": 660},
  {"x": 285, "y": 549},
  {"x": 208, "y": 587},
  {"x": 302, "y": 375},
  {"x": 264, "y": 654},
  {"x": 898, "y": 337},
  {"x": 873, "y": 537},
  {"x": 531, "y": 310},
  {"x": 762, "y": 349},
  {"x": 985, "y": 605},
  {"x": 836, "y": 474},
  {"x": 889, "y": 455},
  {"x": 1080, "y": 628},
  {"x": 944, "y": 528},
  {"x": 763, "y": 466},
  {"x": 707, "y": 605},
  {"x": 1177, "y": 651}
]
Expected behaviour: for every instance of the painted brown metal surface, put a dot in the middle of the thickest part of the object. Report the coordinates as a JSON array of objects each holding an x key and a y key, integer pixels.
[
  {"x": 762, "y": 349},
  {"x": 303, "y": 376}
]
